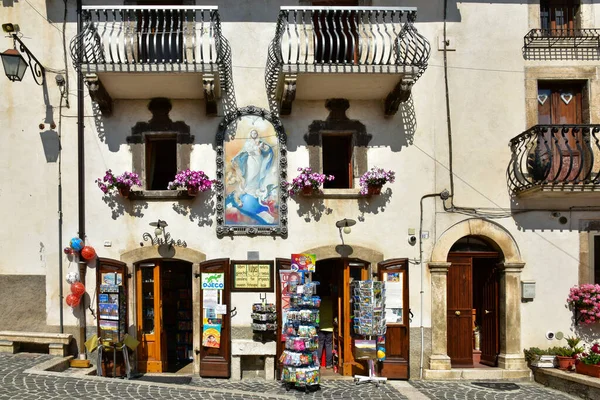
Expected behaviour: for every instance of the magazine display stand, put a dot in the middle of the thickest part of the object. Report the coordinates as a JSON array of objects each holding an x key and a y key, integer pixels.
[
  {"x": 301, "y": 367},
  {"x": 112, "y": 327},
  {"x": 369, "y": 322}
]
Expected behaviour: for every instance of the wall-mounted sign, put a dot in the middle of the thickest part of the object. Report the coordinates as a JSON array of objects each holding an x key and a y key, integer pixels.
[
  {"x": 213, "y": 281},
  {"x": 252, "y": 276}
]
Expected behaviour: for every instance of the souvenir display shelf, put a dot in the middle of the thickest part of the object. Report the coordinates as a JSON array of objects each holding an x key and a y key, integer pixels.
[
  {"x": 369, "y": 322},
  {"x": 301, "y": 366},
  {"x": 264, "y": 321}
]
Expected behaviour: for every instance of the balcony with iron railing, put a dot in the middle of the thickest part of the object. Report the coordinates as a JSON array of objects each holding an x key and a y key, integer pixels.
[
  {"x": 139, "y": 52},
  {"x": 555, "y": 158},
  {"x": 560, "y": 36},
  {"x": 359, "y": 53}
]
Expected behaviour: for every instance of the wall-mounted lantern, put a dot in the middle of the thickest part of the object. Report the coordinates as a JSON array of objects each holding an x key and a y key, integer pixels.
[{"x": 13, "y": 61}]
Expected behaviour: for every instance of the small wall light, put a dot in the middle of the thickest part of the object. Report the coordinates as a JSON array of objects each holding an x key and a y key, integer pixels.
[{"x": 344, "y": 225}]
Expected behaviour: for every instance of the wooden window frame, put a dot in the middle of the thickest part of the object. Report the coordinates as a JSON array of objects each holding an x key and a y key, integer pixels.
[{"x": 148, "y": 138}]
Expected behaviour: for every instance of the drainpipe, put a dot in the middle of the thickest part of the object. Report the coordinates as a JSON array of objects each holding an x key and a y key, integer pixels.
[
  {"x": 444, "y": 196},
  {"x": 80, "y": 173}
]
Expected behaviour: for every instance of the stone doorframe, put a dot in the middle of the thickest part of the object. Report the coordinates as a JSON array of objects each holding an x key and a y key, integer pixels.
[
  {"x": 152, "y": 253},
  {"x": 511, "y": 356}
]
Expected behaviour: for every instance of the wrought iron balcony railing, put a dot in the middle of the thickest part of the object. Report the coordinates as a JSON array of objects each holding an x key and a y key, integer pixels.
[
  {"x": 562, "y": 44},
  {"x": 555, "y": 157},
  {"x": 136, "y": 37},
  {"x": 346, "y": 40}
]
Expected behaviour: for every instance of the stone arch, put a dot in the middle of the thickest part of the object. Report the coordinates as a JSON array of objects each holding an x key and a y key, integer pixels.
[
  {"x": 363, "y": 253},
  {"x": 500, "y": 237},
  {"x": 162, "y": 252}
]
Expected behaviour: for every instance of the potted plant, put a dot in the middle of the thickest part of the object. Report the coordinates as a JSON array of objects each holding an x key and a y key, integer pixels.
[
  {"x": 584, "y": 300},
  {"x": 566, "y": 355},
  {"x": 372, "y": 180},
  {"x": 307, "y": 182},
  {"x": 589, "y": 363},
  {"x": 192, "y": 181},
  {"x": 121, "y": 183}
]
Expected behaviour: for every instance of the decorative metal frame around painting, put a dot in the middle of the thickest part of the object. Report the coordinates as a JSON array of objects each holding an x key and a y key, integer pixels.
[{"x": 251, "y": 174}]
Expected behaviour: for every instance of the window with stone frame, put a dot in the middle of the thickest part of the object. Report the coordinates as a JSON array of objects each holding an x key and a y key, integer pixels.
[
  {"x": 559, "y": 16},
  {"x": 160, "y": 147},
  {"x": 338, "y": 146}
]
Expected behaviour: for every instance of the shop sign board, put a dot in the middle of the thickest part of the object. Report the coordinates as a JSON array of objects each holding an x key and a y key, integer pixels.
[
  {"x": 215, "y": 281},
  {"x": 252, "y": 276}
]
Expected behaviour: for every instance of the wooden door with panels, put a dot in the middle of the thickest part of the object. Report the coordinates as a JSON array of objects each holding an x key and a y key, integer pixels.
[
  {"x": 460, "y": 314},
  {"x": 560, "y": 104},
  {"x": 280, "y": 264},
  {"x": 216, "y": 362},
  {"x": 485, "y": 276},
  {"x": 151, "y": 351},
  {"x": 397, "y": 338}
]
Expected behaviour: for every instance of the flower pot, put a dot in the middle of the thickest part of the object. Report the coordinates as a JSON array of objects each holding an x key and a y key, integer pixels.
[
  {"x": 307, "y": 190},
  {"x": 124, "y": 191},
  {"x": 590, "y": 370},
  {"x": 373, "y": 189},
  {"x": 192, "y": 192},
  {"x": 565, "y": 363}
]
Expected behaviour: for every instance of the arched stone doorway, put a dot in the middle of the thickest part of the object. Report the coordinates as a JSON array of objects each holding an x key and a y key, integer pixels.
[
  {"x": 510, "y": 267},
  {"x": 164, "y": 253}
]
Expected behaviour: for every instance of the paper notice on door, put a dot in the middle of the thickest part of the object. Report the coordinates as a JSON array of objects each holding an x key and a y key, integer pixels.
[
  {"x": 209, "y": 298},
  {"x": 393, "y": 298},
  {"x": 221, "y": 309}
]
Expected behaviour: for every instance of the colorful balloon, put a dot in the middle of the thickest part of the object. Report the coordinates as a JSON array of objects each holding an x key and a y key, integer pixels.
[
  {"x": 68, "y": 250},
  {"x": 76, "y": 244},
  {"x": 72, "y": 277},
  {"x": 88, "y": 253},
  {"x": 72, "y": 300},
  {"x": 77, "y": 289}
]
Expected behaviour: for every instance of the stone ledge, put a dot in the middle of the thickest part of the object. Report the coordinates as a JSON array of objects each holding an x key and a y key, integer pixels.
[
  {"x": 36, "y": 337},
  {"x": 160, "y": 195},
  {"x": 476, "y": 374},
  {"x": 244, "y": 347},
  {"x": 556, "y": 374}
]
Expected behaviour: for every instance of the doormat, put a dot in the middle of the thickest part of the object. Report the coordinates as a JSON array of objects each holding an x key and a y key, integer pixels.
[
  {"x": 501, "y": 386},
  {"x": 176, "y": 380}
]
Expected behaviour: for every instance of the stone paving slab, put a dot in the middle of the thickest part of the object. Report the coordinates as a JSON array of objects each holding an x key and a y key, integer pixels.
[{"x": 466, "y": 390}]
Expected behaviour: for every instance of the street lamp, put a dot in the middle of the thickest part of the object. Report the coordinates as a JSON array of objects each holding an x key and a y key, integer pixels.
[
  {"x": 14, "y": 64},
  {"x": 13, "y": 61},
  {"x": 345, "y": 224}
]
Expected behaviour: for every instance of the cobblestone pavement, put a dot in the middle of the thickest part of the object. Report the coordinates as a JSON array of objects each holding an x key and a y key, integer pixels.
[
  {"x": 15, "y": 384},
  {"x": 467, "y": 390}
]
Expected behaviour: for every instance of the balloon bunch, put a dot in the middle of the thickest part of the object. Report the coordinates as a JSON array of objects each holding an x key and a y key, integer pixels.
[{"x": 77, "y": 289}]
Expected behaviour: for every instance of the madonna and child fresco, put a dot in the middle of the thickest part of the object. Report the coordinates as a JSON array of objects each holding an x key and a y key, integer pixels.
[{"x": 252, "y": 174}]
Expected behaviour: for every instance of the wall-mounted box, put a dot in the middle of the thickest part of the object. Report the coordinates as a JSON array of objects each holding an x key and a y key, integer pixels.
[{"x": 527, "y": 290}]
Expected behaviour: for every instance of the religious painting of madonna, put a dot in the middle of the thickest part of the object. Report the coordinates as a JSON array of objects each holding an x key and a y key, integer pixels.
[{"x": 251, "y": 177}]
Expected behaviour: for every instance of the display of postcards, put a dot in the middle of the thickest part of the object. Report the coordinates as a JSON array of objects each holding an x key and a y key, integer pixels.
[
  {"x": 302, "y": 343},
  {"x": 305, "y": 301},
  {"x": 295, "y": 359},
  {"x": 110, "y": 288},
  {"x": 103, "y": 298},
  {"x": 264, "y": 327},
  {"x": 264, "y": 316},
  {"x": 264, "y": 307},
  {"x": 108, "y": 311}
]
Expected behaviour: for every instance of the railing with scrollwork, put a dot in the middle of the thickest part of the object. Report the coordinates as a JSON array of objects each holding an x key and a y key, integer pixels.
[
  {"x": 345, "y": 40},
  {"x": 555, "y": 157},
  {"x": 562, "y": 44},
  {"x": 157, "y": 38}
]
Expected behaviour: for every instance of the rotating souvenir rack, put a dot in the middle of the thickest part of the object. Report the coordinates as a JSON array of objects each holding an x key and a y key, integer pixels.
[
  {"x": 300, "y": 361},
  {"x": 369, "y": 322},
  {"x": 264, "y": 321}
]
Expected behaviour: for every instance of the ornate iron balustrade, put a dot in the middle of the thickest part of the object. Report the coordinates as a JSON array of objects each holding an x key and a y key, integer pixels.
[
  {"x": 555, "y": 157},
  {"x": 345, "y": 40},
  {"x": 562, "y": 44},
  {"x": 142, "y": 35}
]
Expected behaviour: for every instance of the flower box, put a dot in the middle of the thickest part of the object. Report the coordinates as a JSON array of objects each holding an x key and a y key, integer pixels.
[
  {"x": 565, "y": 363},
  {"x": 545, "y": 361},
  {"x": 590, "y": 370}
]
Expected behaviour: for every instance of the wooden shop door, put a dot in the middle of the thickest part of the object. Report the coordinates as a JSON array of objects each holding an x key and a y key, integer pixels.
[
  {"x": 280, "y": 264},
  {"x": 351, "y": 269},
  {"x": 397, "y": 338},
  {"x": 485, "y": 294},
  {"x": 216, "y": 362},
  {"x": 151, "y": 356},
  {"x": 460, "y": 314}
]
